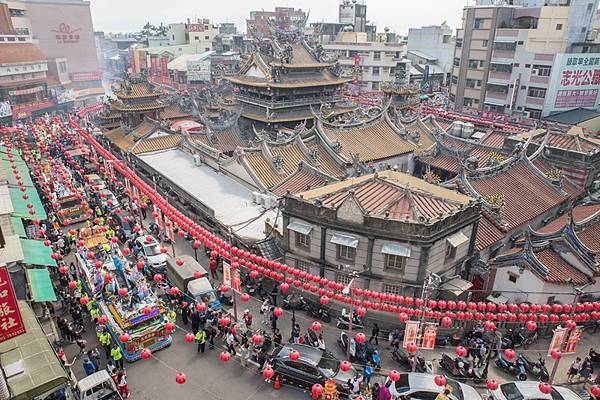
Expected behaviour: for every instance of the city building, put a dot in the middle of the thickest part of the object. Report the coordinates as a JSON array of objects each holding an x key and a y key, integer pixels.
[
  {"x": 432, "y": 45},
  {"x": 352, "y": 17},
  {"x": 191, "y": 68},
  {"x": 389, "y": 227},
  {"x": 353, "y": 13},
  {"x": 284, "y": 18},
  {"x": 528, "y": 58},
  {"x": 372, "y": 63}
]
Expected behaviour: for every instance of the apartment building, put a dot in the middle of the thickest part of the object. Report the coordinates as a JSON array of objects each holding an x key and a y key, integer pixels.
[
  {"x": 518, "y": 58},
  {"x": 376, "y": 61},
  {"x": 283, "y": 17}
]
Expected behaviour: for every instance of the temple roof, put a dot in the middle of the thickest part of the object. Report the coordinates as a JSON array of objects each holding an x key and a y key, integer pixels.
[
  {"x": 119, "y": 138},
  {"x": 305, "y": 178},
  {"x": 173, "y": 112},
  {"x": 165, "y": 142},
  {"x": 573, "y": 140},
  {"x": 19, "y": 53},
  {"x": 374, "y": 141},
  {"x": 226, "y": 140},
  {"x": 271, "y": 164},
  {"x": 138, "y": 106},
  {"x": 136, "y": 90},
  {"x": 392, "y": 195}
]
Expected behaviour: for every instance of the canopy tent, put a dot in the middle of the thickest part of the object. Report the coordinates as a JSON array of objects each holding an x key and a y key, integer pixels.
[
  {"x": 18, "y": 228},
  {"x": 40, "y": 285},
  {"x": 20, "y": 205},
  {"x": 30, "y": 364},
  {"x": 35, "y": 253},
  {"x": 22, "y": 170}
]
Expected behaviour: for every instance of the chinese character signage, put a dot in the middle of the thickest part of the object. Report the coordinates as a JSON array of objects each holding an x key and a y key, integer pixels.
[
  {"x": 575, "y": 81},
  {"x": 410, "y": 333},
  {"x": 557, "y": 340},
  {"x": 86, "y": 76},
  {"x": 226, "y": 273},
  {"x": 195, "y": 28},
  {"x": 236, "y": 281},
  {"x": 429, "y": 334},
  {"x": 11, "y": 323},
  {"x": 163, "y": 66},
  {"x": 573, "y": 340},
  {"x": 65, "y": 34}
]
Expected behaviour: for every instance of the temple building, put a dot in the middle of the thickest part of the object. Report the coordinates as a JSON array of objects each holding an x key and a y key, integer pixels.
[
  {"x": 284, "y": 77},
  {"x": 389, "y": 227},
  {"x": 552, "y": 259}
]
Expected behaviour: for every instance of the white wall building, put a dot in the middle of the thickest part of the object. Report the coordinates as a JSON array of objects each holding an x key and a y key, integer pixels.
[{"x": 435, "y": 41}]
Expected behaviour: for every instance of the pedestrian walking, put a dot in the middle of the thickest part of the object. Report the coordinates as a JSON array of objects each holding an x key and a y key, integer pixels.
[
  {"x": 248, "y": 319},
  {"x": 375, "y": 334},
  {"x": 195, "y": 320},
  {"x": 212, "y": 265},
  {"x": 274, "y": 292},
  {"x": 201, "y": 340},
  {"x": 231, "y": 341},
  {"x": 210, "y": 336},
  {"x": 574, "y": 369},
  {"x": 245, "y": 354},
  {"x": 277, "y": 338},
  {"x": 185, "y": 310},
  {"x": 89, "y": 367},
  {"x": 104, "y": 339},
  {"x": 122, "y": 384},
  {"x": 368, "y": 373},
  {"x": 586, "y": 370},
  {"x": 117, "y": 356},
  {"x": 264, "y": 310},
  {"x": 273, "y": 319}
]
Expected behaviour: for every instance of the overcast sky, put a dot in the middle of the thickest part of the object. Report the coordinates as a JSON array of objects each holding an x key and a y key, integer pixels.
[{"x": 398, "y": 15}]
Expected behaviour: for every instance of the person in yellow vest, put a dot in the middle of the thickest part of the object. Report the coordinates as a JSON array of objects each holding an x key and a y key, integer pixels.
[
  {"x": 172, "y": 316},
  {"x": 117, "y": 356},
  {"x": 201, "y": 340},
  {"x": 104, "y": 339}
]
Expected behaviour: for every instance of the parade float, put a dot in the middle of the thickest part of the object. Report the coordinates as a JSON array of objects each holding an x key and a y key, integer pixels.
[{"x": 133, "y": 314}]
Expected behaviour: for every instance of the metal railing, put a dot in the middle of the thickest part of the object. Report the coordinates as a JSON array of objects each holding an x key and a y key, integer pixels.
[{"x": 288, "y": 103}]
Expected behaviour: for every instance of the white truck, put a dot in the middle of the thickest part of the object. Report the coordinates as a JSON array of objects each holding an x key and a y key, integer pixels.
[{"x": 98, "y": 386}]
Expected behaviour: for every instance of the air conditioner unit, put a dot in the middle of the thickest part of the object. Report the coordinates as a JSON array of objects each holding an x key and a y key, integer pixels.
[
  {"x": 197, "y": 160},
  {"x": 526, "y": 114},
  {"x": 257, "y": 197}
]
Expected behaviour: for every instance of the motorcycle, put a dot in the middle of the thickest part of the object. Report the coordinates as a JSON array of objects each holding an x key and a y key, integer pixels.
[
  {"x": 294, "y": 303},
  {"x": 516, "y": 368},
  {"x": 402, "y": 357},
  {"x": 536, "y": 368},
  {"x": 373, "y": 356},
  {"x": 594, "y": 356},
  {"x": 318, "y": 311},
  {"x": 343, "y": 321},
  {"x": 461, "y": 369},
  {"x": 311, "y": 338},
  {"x": 225, "y": 298},
  {"x": 358, "y": 351}
]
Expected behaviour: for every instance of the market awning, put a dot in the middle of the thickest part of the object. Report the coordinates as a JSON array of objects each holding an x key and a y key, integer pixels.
[
  {"x": 40, "y": 285},
  {"x": 22, "y": 171},
  {"x": 300, "y": 227},
  {"x": 457, "y": 239},
  {"x": 35, "y": 253},
  {"x": 20, "y": 205},
  {"x": 396, "y": 249},
  {"x": 18, "y": 227},
  {"x": 344, "y": 240}
]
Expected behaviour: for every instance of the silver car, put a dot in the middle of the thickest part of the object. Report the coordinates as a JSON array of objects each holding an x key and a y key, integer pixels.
[
  {"x": 522, "y": 390},
  {"x": 423, "y": 387}
]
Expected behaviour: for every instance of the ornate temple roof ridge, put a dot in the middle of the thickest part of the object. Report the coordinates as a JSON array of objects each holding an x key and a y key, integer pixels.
[{"x": 351, "y": 125}]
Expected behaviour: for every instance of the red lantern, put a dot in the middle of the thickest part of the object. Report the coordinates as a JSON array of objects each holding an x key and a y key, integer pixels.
[
  {"x": 179, "y": 262},
  {"x": 509, "y": 354},
  {"x": 446, "y": 322},
  {"x": 224, "y": 356},
  {"x": 570, "y": 324},
  {"x": 201, "y": 307},
  {"x": 157, "y": 278},
  {"x": 63, "y": 270},
  {"x": 174, "y": 291},
  {"x": 461, "y": 352},
  {"x": 224, "y": 322},
  {"x": 126, "y": 251},
  {"x": 556, "y": 354},
  {"x": 411, "y": 348},
  {"x": 294, "y": 355},
  {"x": 440, "y": 380},
  {"x": 197, "y": 274},
  {"x": 145, "y": 354},
  {"x": 103, "y": 319},
  {"x": 283, "y": 288},
  {"x": 492, "y": 384},
  {"x": 257, "y": 339},
  {"x": 324, "y": 300},
  {"x": 361, "y": 311},
  {"x": 268, "y": 372},
  {"x": 595, "y": 390},
  {"x": 345, "y": 366},
  {"x": 72, "y": 284},
  {"x": 244, "y": 297},
  {"x": 122, "y": 292},
  {"x": 531, "y": 326},
  {"x": 163, "y": 250},
  {"x": 180, "y": 378},
  {"x": 170, "y": 327},
  {"x": 278, "y": 312},
  {"x": 224, "y": 289},
  {"x": 489, "y": 326},
  {"x": 123, "y": 337},
  {"x": 317, "y": 390},
  {"x": 189, "y": 337},
  {"x": 360, "y": 337},
  {"x": 84, "y": 300},
  {"x": 545, "y": 387},
  {"x": 394, "y": 375},
  {"x": 403, "y": 317},
  {"x": 315, "y": 326}
]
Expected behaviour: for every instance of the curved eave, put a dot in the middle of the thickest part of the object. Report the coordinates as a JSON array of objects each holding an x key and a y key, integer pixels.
[
  {"x": 144, "y": 108},
  {"x": 284, "y": 85}
]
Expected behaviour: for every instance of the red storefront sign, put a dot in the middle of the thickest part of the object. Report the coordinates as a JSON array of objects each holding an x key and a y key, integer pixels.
[
  {"x": 163, "y": 66},
  {"x": 26, "y": 91},
  {"x": 576, "y": 98},
  {"x": 86, "y": 76},
  {"x": 195, "y": 28},
  {"x": 11, "y": 323}
]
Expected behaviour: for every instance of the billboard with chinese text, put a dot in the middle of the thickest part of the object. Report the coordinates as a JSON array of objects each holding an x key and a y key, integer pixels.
[
  {"x": 575, "y": 82},
  {"x": 11, "y": 322}
]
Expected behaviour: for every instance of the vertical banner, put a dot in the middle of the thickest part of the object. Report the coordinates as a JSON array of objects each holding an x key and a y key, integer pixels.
[
  {"x": 158, "y": 218},
  {"x": 163, "y": 66},
  {"x": 429, "y": 334},
  {"x": 410, "y": 333},
  {"x": 557, "y": 340},
  {"x": 153, "y": 66},
  {"x": 237, "y": 281},
  {"x": 11, "y": 323},
  {"x": 170, "y": 228},
  {"x": 573, "y": 340},
  {"x": 226, "y": 273}
]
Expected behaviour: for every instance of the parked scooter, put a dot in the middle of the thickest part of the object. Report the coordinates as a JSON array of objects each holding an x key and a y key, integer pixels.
[
  {"x": 594, "y": 356},
  {"x": 294, "y": 302},
  {"x": 402, "y": 357},
  {"x": 461, "y": 369},
  {"x": 318, "y": 311},
  {"x": 536, "y": 368},
  {"x": 344, "y": 319},
  {"x": 311, "y": 338},
  {"x": 358, "y": 351},
  {"x": 515, "y": 368},
  {"x": 373, "y": 355}
]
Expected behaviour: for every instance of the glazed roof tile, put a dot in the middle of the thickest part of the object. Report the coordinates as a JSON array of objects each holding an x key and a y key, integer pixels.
[
  {"x": 227, "y": 140},
  {"x": 494, "y": 139},
  {"x": 574, "y": 140},
  {"x": 173, "y": 112},
  {"x": 158, "y": 143},
  {"x": 580, "y": 214},
  {"x": 566, "y": 184},
  {"x": 138, "y": 90},
  {"x": 376, "y": 141},
  {"x": 299, "y": 181},
  {"x": 560, "y": 270},
  {"x": 143, "y": 106},
  {"x": 120, "y": 139}
]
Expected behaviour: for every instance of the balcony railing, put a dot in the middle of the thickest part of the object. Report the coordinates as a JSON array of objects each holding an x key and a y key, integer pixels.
[
  {"x": 288, "y": 103},
  {"x": 503, "y": 54},
  {"x": 539, "y": 79},
  {"x": 500, "y": 75},
  {"x": 495, "y": 95},
  {"x": 534, "y": 100}
]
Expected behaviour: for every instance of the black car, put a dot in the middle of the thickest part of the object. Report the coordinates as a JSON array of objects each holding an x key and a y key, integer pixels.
[{"x": 313, "y": 366}]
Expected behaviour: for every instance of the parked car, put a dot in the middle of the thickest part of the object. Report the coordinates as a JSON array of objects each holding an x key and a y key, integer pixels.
[
  {"x": 313, "y": 366},
  {"x": 97, "y": 386},
  {"x": 108, "y": 199},
  {"x": 423, "y": 387},
  {"x": 157, "y": 261},
  {"x": 529, "y": 390},
  {"x": 96, "y": 182}
]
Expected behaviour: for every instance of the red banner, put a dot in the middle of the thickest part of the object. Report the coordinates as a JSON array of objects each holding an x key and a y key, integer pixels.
[
  {"x": 153, "y": 66},
  {"x": 429, "y": 334},
  {"x": 163, "y": 66},
  {"x": 11, "y": 323},
  {"x": 573, "y": 340},
  {"x": 86, "y": 76}
]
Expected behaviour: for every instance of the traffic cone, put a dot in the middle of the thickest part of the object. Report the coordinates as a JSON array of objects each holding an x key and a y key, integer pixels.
[{"x": 277, "y": 384}]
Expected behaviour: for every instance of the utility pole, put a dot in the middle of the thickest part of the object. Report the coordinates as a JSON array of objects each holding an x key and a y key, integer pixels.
[
  {"x": 578, "y": 292},
  {"x": 348, "y": 291},
  {"x": 430, "y": 282}
]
